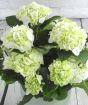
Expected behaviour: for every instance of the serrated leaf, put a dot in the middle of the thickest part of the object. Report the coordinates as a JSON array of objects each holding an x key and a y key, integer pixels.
[
  {"x": 83, "y": 85},
  {"x": 83, "y": 57},
  {"x": 13, "y": 21},
  {"x": 25, "y": 99}
]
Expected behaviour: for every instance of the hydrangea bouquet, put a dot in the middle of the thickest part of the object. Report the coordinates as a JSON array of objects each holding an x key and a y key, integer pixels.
[{"x": 46, "y": 55}]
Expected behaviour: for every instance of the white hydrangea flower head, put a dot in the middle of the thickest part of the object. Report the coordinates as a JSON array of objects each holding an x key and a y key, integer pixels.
[
  {"x": 61, "y": 72},
  {"x": 25, "y": 64},
  {"x": 19, "y": 37},
  {"x": 33, "y": 84},
  {"x": 80, "y": 70},
  {"x": 34, "y": 13},
  {"x": 68, "y": 71},
  {"x": 68, "y": 36}
]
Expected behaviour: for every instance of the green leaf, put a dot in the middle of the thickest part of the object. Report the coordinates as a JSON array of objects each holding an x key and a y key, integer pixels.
[
  {"x": 55, "y": 92},
  {"x": 47, "y": 24},
  {"x": 63, "y": 55},
  {"x": 42, "y": 31},
  {"x": 83, "y": 57},
  {"x": 45, "y": 49},
  {"x": 45, "y": 73},
  {"x": 13, "y": 21},
  {"x": 61, "y": 93},
  {"x": 1, "y": 53},
  {"x": 25, "y": 99},
  {"x": 49, "y": 91},
  {"x": 83, "y": 85},
  {"x": 42, "y": 38},
  {"x": 50, "y": 56},
  {"x": 10, "y": 77}
]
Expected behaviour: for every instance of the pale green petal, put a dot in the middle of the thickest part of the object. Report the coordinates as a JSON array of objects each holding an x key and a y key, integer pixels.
[
  {"x": 68, "y": 71},
  {"x": 61, "y": 72},
  {"x": 68, "y": 36},
  {"x": 34, "y": 13},
  {"x": 19, "y": 37},
  {"x": 25, "y": 64},
  {"x": 33, "y": 84}
]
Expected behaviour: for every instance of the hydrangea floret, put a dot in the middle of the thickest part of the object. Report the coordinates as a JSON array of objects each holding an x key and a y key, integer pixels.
[
  {"x": 33, "y": 13},
  {"x": 19, "y": 37},
  {"x": 25, "y": 64},
  {"x": 68, "y": 36},
  {"x": 33, "y": 84},
  {"x": 68, "y": 71}
]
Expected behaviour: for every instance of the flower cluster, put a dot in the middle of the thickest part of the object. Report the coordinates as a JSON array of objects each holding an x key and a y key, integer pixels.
[
  {"x": 68, "y": 71},
  {"x": 68, "y": 36},
  {"x": 33, "y": 84},
  {"x": 61, "y": 72},
  {"x": 33, "y": 13},
  {"x": 26, "y": 64},
  {"x": 19, "y": 37}
]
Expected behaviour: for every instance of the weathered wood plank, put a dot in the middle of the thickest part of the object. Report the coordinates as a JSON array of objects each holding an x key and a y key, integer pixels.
[
  {"x": 71, "y": 8},
  {"x": 85, "y": 24},
  {"x": 2, "y": 87},
  {"x": 82, "y": 97},
  {"x": 76, "y": 20},
  {"x": 13, "y": 94}
]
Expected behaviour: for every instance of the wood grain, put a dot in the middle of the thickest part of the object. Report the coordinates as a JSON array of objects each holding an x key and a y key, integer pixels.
[{"x": 67, "y": 8}]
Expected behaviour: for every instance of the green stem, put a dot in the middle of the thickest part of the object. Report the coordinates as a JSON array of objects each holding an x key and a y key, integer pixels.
[{"x": 4, "y": 95}]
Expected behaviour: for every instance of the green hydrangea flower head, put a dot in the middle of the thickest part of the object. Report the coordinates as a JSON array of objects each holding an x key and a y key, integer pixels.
[
  {"x": 19, "y": 37},
  {"x": 25, "y": 64},
  {"x": 61, "y": 72},
  {"x": 33, "y": 13},
  {"x": 80, "y": 70},
  {"x": 33, "y": 84},
  {"x": 68, "y": 36},
  {"x": 68, "y": 71}
]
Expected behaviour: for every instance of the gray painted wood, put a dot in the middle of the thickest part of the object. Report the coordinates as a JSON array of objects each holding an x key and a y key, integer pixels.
[
  {"x": 85, "y": 24},
  {"x": 13, "y": 95},
  {"x": 2, "y": 87},
  {"x": 68, "y": 8}
]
